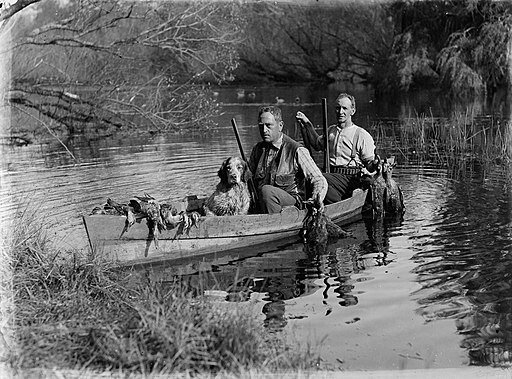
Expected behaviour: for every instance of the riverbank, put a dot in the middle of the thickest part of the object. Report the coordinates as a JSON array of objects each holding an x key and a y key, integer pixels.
[
  {"x": 73, "y": 310},
  {"x": 467, "y": 373}
]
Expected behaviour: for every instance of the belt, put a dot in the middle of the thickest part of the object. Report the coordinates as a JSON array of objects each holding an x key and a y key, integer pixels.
[{"x": 345, "y": 170}]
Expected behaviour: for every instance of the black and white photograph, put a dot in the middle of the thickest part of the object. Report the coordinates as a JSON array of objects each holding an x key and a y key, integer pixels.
[{"x": 256, "y": 189}]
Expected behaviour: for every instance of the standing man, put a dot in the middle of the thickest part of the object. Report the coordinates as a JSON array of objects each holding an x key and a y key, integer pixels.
[
  {"x": 351, "y": 149},
  {"x": 281, "y": 166}
]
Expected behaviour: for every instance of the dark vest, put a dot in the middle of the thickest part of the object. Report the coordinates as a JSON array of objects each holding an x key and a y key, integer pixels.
[{"x": 281, "y": 173}]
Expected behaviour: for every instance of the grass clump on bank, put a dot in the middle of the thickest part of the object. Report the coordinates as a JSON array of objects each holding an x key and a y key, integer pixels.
[{"x": 76, "y": 312}]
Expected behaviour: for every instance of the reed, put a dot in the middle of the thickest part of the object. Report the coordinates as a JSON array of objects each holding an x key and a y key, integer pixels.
[
  {"x": 76, "y": 312},
  {"x": 445, "y": 141}
]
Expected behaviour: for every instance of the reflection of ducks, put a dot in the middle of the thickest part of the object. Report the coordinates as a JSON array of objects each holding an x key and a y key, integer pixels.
[
  {"x": 279, "y": 100},
  {"x": 240, "y": 93},
  {"x": 251, "y": 95}
]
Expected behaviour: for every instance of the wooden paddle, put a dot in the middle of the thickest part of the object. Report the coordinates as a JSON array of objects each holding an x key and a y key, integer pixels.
[{"x": 327, "y": 167}]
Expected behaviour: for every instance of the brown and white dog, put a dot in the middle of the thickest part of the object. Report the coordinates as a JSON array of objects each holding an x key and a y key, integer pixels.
[{"x": 231, "y": 197}]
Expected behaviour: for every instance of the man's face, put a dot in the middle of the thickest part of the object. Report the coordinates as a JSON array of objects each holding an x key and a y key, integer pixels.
[
  {"x": 270, "y": 129},
  {"x": 344, "y": 110}
]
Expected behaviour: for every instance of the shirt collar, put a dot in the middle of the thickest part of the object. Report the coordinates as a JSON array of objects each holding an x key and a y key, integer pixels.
[{"x": 339, "y": 128}]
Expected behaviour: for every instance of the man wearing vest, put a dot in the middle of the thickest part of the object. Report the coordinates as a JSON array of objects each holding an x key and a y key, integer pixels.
[
  {"x": 281, "y": 167},
  {"x": 351, "y": 149}
]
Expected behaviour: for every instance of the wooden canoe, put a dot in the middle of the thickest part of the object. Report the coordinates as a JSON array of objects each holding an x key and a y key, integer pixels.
[{"x": 213, "y": 234}]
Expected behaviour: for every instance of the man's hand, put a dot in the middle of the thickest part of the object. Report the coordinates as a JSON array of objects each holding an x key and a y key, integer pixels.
[
  {"x": 365, "y": 172},
  {"x": 302, "y": 118},
  {"x": 319, "y": 204}
]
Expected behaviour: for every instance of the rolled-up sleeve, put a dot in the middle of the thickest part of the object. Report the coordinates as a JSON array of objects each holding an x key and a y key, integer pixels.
[{"x": 312, "y": 172}]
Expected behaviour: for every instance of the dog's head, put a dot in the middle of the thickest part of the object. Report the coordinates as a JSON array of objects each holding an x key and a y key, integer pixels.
[{"x": 233, "y": 171}]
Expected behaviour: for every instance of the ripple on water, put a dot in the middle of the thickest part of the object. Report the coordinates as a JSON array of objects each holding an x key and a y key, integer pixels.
[{"x": 449, "y": 259}]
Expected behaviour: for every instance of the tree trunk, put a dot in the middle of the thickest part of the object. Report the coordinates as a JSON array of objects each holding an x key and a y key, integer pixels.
[{"x": 5, "y": 78}]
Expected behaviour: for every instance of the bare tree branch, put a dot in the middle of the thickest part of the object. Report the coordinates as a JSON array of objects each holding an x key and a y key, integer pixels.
[
  {"x": 8, "y": 12},
  {"x": 142, "y": 72}
]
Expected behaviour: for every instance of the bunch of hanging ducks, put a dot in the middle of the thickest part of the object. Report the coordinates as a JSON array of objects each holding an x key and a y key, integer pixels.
[
  {"x": 158, "y": 216},
  {"x": 387, "y": 197}
]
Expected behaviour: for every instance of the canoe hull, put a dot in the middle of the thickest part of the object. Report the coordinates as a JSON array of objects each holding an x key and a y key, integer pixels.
[{"x": 213, "y": 233}]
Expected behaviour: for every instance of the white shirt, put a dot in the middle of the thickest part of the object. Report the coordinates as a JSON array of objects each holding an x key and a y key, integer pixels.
[{"x": 341, "y": 141}]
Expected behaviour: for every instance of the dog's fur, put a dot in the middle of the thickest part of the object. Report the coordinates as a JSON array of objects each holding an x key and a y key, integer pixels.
[{"x": 231, "y": 197}]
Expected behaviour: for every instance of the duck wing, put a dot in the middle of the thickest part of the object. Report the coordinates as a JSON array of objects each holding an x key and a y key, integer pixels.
[{"x": 130, "y": 220}]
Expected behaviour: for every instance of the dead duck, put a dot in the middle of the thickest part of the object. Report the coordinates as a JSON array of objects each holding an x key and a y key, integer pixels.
[
  {"x": 150, "y": 207},
  {"x": 170, "y": 216},
  {"x": 126, "y": 210},
  {"x": 318, "y": 228},
  {"x": 377, "y": 188},
  {"x": 187, "y": 221},
  {"x": 158, "y": 216},
  {"x": 393, "y": 199}
]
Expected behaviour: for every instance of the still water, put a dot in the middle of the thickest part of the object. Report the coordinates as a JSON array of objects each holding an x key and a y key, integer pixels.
[{"x": 433, "y": 290}]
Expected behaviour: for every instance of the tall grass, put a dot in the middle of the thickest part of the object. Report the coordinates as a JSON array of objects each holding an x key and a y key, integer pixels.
[
  {"x": 446, "y": 141},
  {"x": 74, "y": 311}
]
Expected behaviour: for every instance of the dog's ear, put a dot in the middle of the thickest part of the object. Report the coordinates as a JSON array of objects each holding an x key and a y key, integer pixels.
[
  {"x": 246, "y": 175},
  {"x": 223, "y": 175}
]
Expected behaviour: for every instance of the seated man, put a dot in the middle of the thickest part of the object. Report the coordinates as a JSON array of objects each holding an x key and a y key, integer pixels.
[
  {"x": 280, "y": 167},
  {"x": 351, "y": 149}
]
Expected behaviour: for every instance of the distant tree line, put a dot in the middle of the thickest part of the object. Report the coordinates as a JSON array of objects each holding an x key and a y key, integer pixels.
[
  {"x": 151, "y": 63},
  {"x": 458, "y": 45}
]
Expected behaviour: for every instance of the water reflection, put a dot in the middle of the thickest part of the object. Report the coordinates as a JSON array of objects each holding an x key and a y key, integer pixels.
[
  {"x": 457, "y": 227},
  {"x": 282, "y": 272},
  {"x": 466, "y": 271}
]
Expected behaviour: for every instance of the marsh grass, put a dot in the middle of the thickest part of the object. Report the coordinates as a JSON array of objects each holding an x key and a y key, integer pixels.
[
  {"x": 446, "y": 141},
  {"x": 76, "y": 312}
]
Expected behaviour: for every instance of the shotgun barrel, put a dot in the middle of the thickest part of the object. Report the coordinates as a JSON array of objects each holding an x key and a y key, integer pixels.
[{"x": 250, "y": 182}]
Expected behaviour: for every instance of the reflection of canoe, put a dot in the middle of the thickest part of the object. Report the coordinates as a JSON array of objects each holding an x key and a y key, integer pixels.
[{"x": 213, "y": 233}]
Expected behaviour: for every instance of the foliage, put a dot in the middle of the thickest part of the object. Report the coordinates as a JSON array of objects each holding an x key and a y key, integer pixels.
[
  {"x": 75, "y": 311},
  {"x": 125, "y": 64},
  {"x": 395, "y": 46},
  {"x": 314, "y": 43},
  {"x": 455, "y": 65},
  {"x": 148, "y": 65},
  {"x": 412, "y": 64},
  {"x": 476, "y": 60},
  {"x": 461, "y": 45}
]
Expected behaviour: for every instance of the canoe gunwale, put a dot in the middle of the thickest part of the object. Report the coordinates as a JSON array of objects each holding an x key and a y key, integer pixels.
[{"x": 213, "y": 234}]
